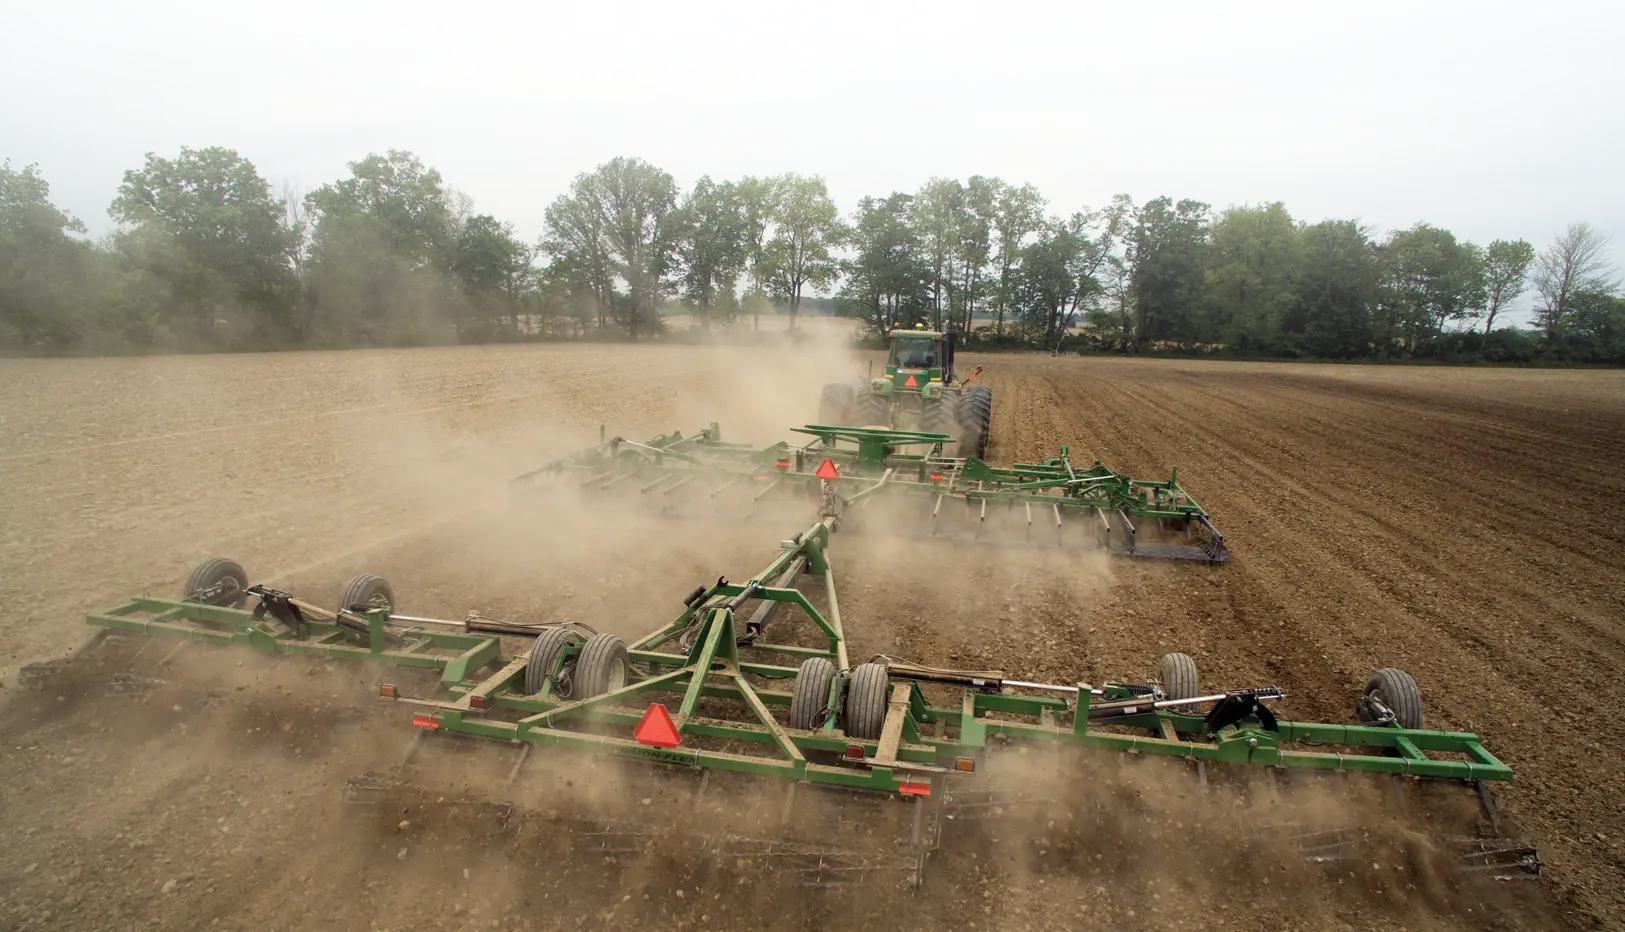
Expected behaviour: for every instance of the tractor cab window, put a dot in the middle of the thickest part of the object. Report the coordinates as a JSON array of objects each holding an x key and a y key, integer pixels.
[{"x": 914, "y": 353}]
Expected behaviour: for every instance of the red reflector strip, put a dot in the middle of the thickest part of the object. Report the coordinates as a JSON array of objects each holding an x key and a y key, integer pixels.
[
  {"x": 782, "y": 464},
  {"x": 426, "y": 721},
  {"x": 476, "y": 702},
  {"x": 853, "y": 752},
  {"x": 910, "y": 788},
  {"x": 936, "y": 477}
]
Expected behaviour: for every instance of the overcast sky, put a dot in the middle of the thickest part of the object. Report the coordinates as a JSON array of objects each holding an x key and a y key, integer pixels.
[{"x": 1490, "y": 119}]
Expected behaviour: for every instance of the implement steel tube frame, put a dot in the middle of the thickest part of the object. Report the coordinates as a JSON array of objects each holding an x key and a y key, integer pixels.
[
  {"x": 716, "y": 666},
  {"x": 1056, "y": 484}
]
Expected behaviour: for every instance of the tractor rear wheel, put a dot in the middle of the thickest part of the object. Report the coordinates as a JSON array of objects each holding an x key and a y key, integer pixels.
[
  {"x": 866, "y": 699},
  {"x": 809, "y": 697},
  {"x": 602, "y": 666},
  {"x": 217, "y": 582},
  {"x": 544, "y": 658},
  {"x": 1177, "y": 674},
  {"x": 940, "y": 415},
  {"x": 367, "y": 592},
  {"x": 835, "y": 404},
  {"x": 1395, "y": 689},
  {"x": 975, "y": 421},
  {"x": 872, "y": 410}
]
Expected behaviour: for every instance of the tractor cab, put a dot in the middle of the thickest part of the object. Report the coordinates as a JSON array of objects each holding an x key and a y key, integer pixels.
[{"x": 919, "y": 357}]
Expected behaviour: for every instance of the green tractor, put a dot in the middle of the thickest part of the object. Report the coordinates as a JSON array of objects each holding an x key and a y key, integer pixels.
[{"x": 917, "y": 392}]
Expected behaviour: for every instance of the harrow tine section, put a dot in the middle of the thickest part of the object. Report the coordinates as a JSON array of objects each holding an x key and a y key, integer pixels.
[{"x": 843, "y": 466}]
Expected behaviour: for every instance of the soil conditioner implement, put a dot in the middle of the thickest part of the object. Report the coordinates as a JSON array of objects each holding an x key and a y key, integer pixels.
[{"x": 752, "y": 679}]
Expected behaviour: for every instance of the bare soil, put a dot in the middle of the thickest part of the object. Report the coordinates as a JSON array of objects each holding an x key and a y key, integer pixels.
[{"x": 1462, "y": 524}]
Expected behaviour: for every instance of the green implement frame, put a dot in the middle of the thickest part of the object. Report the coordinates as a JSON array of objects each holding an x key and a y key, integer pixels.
[
  {"x": 894, "y": 481},
  {"x": 887, "y": 726}
]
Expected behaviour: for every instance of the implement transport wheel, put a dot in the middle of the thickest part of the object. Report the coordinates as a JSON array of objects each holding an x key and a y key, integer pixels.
[
  {"x": 217, "y": 582},
  {"x": 602, "y": 666},
  {"x": 975, "y": 420},
  {"x": 367, "y": 593},
  {"x": 872, "y": 410},
  {"x": 809, "y": 697},
  {"x": 544, "y": 659},
  {"x": 866, "y": 697},
  {"x": 835, "y": 403},
  {"x": 1395, "y": 689},
  {"x": 1177, "y": 674}
]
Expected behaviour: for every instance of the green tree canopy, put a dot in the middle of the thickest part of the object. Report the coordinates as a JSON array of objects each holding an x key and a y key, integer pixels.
[
  {"x": 805, "y": 225},
  {"x": 42, "y": 265},
  {"x": 1506, "y": 275},
  {"x": 206, "y": 225},
  {"x": 1255, "y": 258},
  {"x": 1018, "y": 213},
  {"x": 619, "y": 224},
  {"x": 401, "y": 203},
  {"x": 712, "y": 246},
  {"x": 1431, "y": 280},
  {"x": 1338, "y": 283},
  {"x": 1167, "y": 247},
  {"x": 886, "y": 278}
]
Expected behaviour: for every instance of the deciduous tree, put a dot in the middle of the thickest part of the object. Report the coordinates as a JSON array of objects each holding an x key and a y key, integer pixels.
[
  {"x": 713, "y": 245},
  {"x": 205, "y": 223},
  {"x": 1506, "y": 275},
  {"x": 805, "y": 224},
  {"x": 1166, "y": 249},
  {"x": 1574, "y": 263},
  {"x": 1255, "y": 257}
]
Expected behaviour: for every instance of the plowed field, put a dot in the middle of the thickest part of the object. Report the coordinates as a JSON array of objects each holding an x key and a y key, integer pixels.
[{"x": 1462, "y": 524}]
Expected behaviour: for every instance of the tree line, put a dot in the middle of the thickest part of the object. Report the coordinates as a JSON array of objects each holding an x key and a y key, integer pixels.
[{"x": 206, "y": 255}]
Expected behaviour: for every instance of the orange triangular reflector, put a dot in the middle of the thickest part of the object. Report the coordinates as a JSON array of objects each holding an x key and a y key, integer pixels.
[
  {"x": 827, "y": 470},
  {"x": 656, "y": 728},
  {"x": 911, "y": 383}
]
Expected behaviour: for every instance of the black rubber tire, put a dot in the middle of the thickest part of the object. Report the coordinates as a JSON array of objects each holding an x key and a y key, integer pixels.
[
  {"x": 975, "y": 420},
  {"x": 941, "y": 415},
  {"x": 1399, "y": 692},
  {"x": 809, "y": 697},
  {"x": 872, "y": 410},
  {"x": 867, "y": 695},
  {"x": 210, "y": 573},
  {"x": 835, "y": 404},
  {"x": 544, "y": 656},
  {"x": 367, "y": 592},
  {"x": 602, "y": 667},
  {"x": 1177, "y": 674}
]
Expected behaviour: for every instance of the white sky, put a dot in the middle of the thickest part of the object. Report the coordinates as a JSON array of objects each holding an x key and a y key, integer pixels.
[{"x": 1490, "y": 119}]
